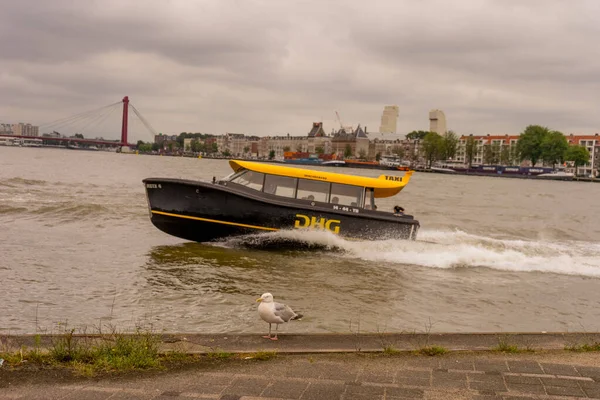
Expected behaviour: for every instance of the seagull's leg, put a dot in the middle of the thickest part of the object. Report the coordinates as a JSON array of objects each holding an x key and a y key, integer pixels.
[
  {"x": 268, "y": 337},
  {"x": 275, "y": 337}
]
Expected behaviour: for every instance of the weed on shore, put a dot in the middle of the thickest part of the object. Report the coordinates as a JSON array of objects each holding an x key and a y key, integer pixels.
[
  {"x": 432, "y": 351},
  {"x": 90, "y": 354},
  {"x": 581, "y": 348},
  {"x": 505, "y": 346}
]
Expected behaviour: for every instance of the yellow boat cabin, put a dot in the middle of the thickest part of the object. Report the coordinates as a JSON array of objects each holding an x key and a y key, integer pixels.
[{"x": 313, "y": 185}]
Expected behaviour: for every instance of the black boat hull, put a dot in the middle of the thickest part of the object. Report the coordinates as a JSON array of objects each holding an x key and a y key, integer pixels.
[{"x": 203, "y": 212}]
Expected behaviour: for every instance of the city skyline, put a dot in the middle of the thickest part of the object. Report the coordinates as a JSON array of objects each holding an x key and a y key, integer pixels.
[
  {"x": 268, "y": 67},
  {"x": 436, "y": 123}
]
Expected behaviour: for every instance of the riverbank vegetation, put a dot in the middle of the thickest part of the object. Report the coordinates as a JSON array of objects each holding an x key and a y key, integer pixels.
[
  {"x": 106, "y": 354},
  {"x": 587, "y": 346},
  {"x": 87, "y": 355},
  {"x": 535, "y": 144},
  {"x": 539, "y": 143}
]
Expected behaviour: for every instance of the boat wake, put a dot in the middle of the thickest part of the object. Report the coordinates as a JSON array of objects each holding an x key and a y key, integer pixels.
[
  {"x": 445, "y": 249},
  {"x": 286, "y": 240}
]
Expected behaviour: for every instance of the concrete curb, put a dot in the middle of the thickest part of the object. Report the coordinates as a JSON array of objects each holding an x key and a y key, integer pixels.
[{"x": 194, "y": 343}]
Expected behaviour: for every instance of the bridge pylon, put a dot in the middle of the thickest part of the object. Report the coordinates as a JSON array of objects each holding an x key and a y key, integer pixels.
[{"x": 124, "y": 122}]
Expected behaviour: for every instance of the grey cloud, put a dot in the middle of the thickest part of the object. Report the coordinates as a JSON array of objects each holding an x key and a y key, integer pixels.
[
  {"x": 59, "y": 30},
  {"x": 498, "y": 42}
]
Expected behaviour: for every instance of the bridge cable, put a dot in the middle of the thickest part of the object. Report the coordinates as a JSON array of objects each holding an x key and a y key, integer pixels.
[
  {"x": 77, "y": 116},
  {"x": 100, "y": 118},
  {"x": 144, "y": 121},
  {"x": 79, "y": 125},
  {"x": 74, "y": 123}
]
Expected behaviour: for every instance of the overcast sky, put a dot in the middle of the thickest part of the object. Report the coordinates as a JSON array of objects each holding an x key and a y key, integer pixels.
[{"x": 273, "y": 67}]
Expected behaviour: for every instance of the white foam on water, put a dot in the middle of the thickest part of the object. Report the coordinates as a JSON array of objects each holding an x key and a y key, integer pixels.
[
  {"x": 451, "y": 249},
  {"x": 303, "y": 237},
  {"x": 320, "y": 237}
]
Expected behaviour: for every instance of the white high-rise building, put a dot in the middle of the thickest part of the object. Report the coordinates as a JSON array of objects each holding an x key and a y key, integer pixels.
[
  {"x": 22, "y": 129},
  {"x": 389, "y": 118},
  {"x": 437, "y": 122}
]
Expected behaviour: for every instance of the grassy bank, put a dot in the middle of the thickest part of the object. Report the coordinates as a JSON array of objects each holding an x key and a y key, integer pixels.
[
  {"x": 107, "y": 354},
  {"x": 89, "y": 355}
]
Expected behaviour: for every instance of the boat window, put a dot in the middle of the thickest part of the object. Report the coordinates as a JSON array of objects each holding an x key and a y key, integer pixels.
[
  {"x": 280, "y": 185},
  {"x": 313, "y": 190},
  {"x": 346, "y": 195},
  {"x": 370, "y": 199},
  {"x": 251, "y": 179}
]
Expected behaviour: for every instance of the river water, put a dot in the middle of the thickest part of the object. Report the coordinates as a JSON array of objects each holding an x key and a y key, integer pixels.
[{"x": 77, "y": 248}]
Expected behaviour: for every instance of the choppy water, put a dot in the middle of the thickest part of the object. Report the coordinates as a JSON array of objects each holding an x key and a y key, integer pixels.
[{"x": 493, "y": 254}]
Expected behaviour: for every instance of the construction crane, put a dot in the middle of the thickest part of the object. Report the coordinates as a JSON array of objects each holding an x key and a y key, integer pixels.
[
  {"x": 339, "y": 120},
  {"x": 342, "y": 127}
]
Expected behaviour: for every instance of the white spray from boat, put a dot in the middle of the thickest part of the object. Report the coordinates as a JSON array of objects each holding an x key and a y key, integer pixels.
[{"x": 453, "y": 249}]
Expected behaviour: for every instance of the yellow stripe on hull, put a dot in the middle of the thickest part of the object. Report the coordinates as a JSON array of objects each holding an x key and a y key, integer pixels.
[
  {"x": 264, "y": 228},
  {"x": 216, "y": 221}
]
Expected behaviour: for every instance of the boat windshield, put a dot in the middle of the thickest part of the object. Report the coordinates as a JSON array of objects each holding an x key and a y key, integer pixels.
[
  {"x": 251, "y": 179},
  {"x": 231, "y": 176}
]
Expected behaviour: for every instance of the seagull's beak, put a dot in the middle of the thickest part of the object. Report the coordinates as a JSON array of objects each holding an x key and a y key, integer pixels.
[{"x": 259, "y": 300}]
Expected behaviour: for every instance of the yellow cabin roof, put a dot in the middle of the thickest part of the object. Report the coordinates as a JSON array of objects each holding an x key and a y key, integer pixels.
[{"x": 384, "y": 186}]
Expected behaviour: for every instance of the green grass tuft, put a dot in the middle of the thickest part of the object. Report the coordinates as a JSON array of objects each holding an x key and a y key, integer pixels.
[
  {"x": 432, "y": 351},
  {"x": 177, "y": 356},
  {"x": 111, "y": 353},
  {"x": 13, "y": 359},
  {"x": 139, "y": 351},
  {"x": 581, "y": 348},
  {"x": 504, "y": 347},
  {"x": 82, "y": 369},
  {"x": 390, "y": 351}
]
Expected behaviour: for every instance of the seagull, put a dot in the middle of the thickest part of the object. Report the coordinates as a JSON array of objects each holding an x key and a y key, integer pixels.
[{"x": 274, "y": 313}]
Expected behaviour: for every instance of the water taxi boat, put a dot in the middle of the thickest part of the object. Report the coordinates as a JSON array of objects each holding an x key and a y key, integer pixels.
[{"x": 261, "y": 197}]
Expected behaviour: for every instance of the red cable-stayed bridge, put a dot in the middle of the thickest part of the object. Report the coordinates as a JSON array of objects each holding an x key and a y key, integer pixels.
[{"x": 87, "y": 120}]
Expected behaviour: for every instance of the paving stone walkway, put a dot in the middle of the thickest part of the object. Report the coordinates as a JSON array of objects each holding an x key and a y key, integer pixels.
[{"x": 350, "y": 376}]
